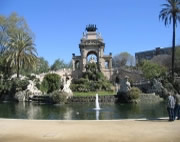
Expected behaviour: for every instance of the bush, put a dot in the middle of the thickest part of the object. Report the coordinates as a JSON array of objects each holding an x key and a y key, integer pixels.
[
  {"x": 152, "y": 70},
  {"x": 50, "y": 83},
  {"x": 19, "y": 85},
  {"x": 177, "y": 85},
  {"x": 59, "y": 97},
  {"x": 10, "y": 87},
  {"x": 5, "y": 87},
  {"x": 130, "y": 96},
  {"x": 134, "y": 93},
  {"x": 92, "y": 80},
  {"x": 83, "y": 85}
]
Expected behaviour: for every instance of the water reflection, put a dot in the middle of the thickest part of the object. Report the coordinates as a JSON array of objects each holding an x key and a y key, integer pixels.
[
  {"x": 97, "y": 114},
  {"x": 81, "y": 111}
]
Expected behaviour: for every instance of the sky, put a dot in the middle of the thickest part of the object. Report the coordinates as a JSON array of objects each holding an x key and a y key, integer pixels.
[{"x": 126, "y": 26}]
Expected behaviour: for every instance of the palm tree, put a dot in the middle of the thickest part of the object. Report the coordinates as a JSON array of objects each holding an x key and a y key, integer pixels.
[
  {"x": 171, "y": 12},
  {"x": 21, "y": 52}
]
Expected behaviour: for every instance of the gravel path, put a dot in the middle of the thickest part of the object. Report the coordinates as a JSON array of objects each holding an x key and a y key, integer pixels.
[{"x": 89, "y": 131}]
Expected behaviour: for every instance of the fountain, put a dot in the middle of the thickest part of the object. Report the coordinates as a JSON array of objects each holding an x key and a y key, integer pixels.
[{"x": 97, "y": 103}]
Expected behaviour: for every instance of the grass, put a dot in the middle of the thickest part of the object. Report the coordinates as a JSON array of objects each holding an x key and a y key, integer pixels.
[{"x": 100, "y": 93}]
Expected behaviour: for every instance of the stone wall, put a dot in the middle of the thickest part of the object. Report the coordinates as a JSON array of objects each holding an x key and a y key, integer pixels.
[
  {"x": 144, "y": 98},
  {"x": 150, "y": 98},
  {"x": 91, "y": 99}
]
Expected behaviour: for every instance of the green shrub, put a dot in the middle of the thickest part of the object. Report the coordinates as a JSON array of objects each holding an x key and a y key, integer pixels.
[
  {"x": 50, "y": 83},
  {"x": 10, "y": 87},
  {"x": 92, "y": 80},
  {"x": 83, "y": 85},
  {"x": 134, "y": 93},
  {"x": 59, "y": 97},
  {"x": 177, "y": 85},
  {"x": 152, "y": 70},
  {"x": 5, "y": 87}
]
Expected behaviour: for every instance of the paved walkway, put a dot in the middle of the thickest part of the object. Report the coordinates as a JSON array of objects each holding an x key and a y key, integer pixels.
[{"x": 89, "y": 131}]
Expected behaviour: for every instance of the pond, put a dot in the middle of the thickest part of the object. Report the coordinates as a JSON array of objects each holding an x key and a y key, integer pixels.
[{"x": 79, "y": 111}]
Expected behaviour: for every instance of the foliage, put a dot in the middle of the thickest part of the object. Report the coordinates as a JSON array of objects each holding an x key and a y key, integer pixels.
[
  {"x": 100, "y": 93},
  {"x": 5, "y": 87},
  {"x": 162, "y": 60},
  {"x": 50, "y": 83},
  {"x": 171, "y": 12},
  {"x": 42, "y": 66},
  {"x": 92, "y": 73},
  {"x": 58, "y": 64},
  {"x": 11, "y": 25},
  {"x": 134, "y": 93},
  {"x": 58, "y": 97},
  {"x": 177, "y": 85},
  {"x": 131, "y": 96},
  {"x": 21, "y": 52},
  {"x": 16, "y": 43},
  {"x": 90, "y": 86},
  {"x": 177, "y": 60},
  {"x": 19, "y": 85},
  {"x": 5, "y": 69},
  {"x": 10, "y": 87},
  {"x": 92, "y": 80},
  {"x": 152, "y": 70},
  {"x": 123, "y": 59}
]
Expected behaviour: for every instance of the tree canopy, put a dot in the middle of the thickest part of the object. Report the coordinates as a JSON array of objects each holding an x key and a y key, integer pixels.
[
  {"x": 171, "y": 13},
  {"x": 16, "y": 43},
  {"x": 42, "y": 66},
  {"x": 11, "y": 25},
  {"x": 123, "y": 59},
  {"x": 60, "y": 64},
  {"x": 152, "y": 70}
]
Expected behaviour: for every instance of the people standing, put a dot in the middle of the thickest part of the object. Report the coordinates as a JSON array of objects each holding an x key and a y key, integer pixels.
[
  {"x": 177, "y": 107},
  {"x": 171, "y": 106}
]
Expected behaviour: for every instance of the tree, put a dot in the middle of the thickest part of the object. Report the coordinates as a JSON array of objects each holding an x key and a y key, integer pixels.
[
  {"x": 21, "y": 52},
  {"x": 10, "y": 25},
  {"x": 42, "y": 65},
  {"x": 171, "y": 12},
  {"x": 162, "y": 60},
  {"x": 152, "y": 70},
  {"x": 123, "y": 59},
  {"x": 50, "y": 83},
  {"x": 58, "y": 64},
  {"x": 5, "y": 68},
  {"x": 177, "y": 60}
]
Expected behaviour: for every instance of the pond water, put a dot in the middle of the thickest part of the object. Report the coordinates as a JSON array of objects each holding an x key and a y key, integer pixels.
[{"x": 82, "y": 111}]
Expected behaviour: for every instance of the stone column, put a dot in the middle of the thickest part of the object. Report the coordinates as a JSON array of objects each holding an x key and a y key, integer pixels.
[
  {"x": 73, "y": 62},
  {"x": 83, "y": 58},
  {"x": 110, "y": 61}
]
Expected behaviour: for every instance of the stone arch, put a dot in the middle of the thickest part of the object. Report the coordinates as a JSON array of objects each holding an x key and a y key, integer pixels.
[
  {"x": 77, "y": 64},
  {"x": 92, "y": 43},
  {"x": 92, "y": 52}
]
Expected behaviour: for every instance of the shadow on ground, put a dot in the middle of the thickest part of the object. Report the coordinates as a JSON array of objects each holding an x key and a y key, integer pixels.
[{"x": 156, "y": 120}]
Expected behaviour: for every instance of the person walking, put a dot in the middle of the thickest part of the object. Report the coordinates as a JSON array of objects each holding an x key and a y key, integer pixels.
[
  {"x": 177, "y": 107},
  {"x": 170, "y": 106}
]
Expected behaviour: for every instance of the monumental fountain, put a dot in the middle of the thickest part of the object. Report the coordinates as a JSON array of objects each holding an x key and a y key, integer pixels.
[
  {"x": 97, "y": 103},
  {"x": 97, "y": 108}
]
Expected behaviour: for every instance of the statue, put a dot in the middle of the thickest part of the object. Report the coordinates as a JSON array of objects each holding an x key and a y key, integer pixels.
[
  {"x": 125, "y": 85},
  {"x": 92, "y": 60},
  {"x": 91, "y": 28},
  {"x": 66, "y": 87}
]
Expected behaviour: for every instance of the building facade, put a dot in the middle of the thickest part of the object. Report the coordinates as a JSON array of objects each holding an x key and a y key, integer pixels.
[{"x": 148, "y": 55}]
